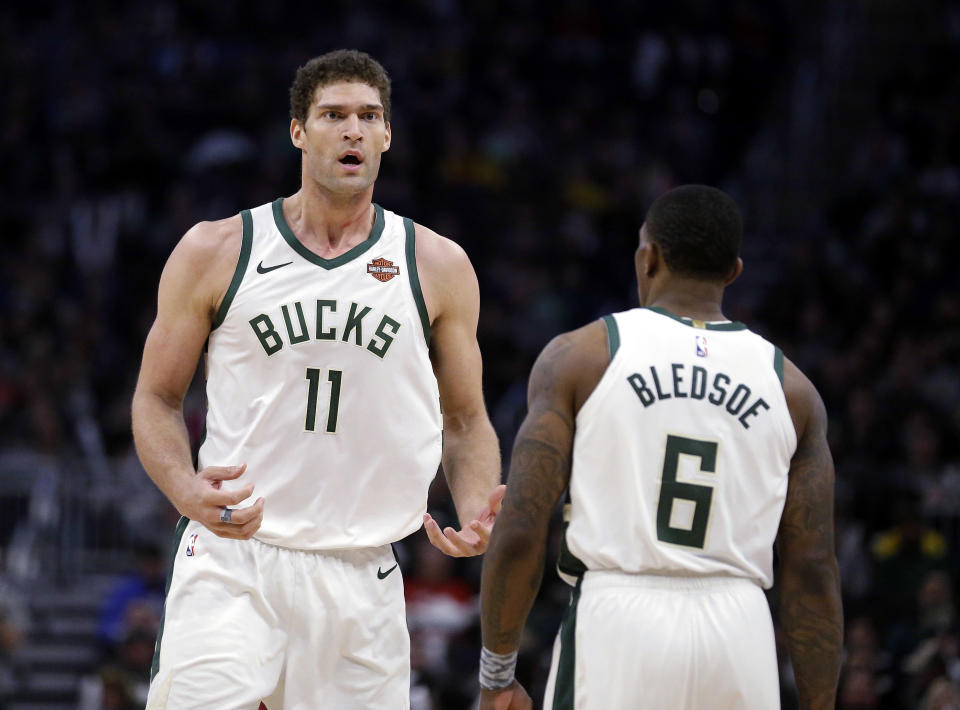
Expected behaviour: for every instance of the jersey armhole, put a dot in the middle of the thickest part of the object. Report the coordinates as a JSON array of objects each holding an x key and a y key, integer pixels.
[
  {"x": 613, "y": 336},
  {"x": 778, "y": 363},
  {"x": 411, "y": 253},
  {"x": 246, "y": 242}
]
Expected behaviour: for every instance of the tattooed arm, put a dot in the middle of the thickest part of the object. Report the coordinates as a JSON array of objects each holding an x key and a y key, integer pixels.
[
  {"x": 564, "y": 375},
  {"x": 809, "y": 579}
]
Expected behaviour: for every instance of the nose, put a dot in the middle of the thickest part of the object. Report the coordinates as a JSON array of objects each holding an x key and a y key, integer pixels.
[{"x": 351, "y": 128}]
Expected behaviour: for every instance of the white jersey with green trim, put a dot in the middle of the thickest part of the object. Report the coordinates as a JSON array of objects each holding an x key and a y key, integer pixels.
[
  {"x": 681, "y": 453},
  {"x": 319, "y": 378}
]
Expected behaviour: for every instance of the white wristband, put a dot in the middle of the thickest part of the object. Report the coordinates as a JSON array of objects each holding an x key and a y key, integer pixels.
[{"x": 496, "y": 669}]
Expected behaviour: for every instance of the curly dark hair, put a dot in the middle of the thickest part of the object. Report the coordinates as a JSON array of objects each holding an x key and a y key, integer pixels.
[
  {"x": 698, "y": 229},
  {"x": 329, "y": 68}
]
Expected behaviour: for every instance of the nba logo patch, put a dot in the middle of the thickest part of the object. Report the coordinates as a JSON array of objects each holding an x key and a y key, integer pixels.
[
  {"x": 701, "y": 346},
  {"x": 191, "y": 544}
]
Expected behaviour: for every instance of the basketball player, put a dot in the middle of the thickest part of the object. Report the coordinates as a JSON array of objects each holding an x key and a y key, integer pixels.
[
  {"x": 689, "y": 445},
  {"x": 333, "y": 330}
]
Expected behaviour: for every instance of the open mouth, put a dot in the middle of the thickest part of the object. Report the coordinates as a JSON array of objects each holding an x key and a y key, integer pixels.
[{"x": 350, "y": 160}]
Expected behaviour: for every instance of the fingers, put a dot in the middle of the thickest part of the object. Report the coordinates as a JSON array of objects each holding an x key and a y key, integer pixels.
[
  {"x": 223, "y": 473},
  {"x": 218, "y": 498},
  {"x": 513, "y": 697},
  {"x": 244, "y": 522},
  {"x": 522, "y": 700},
  {"x": 466, "y": 542},
  {"x": 242, "y": 516},
  {"x": 524, "y": 703},
  {"x": 496, "y": 498},
  {"x": 449, "y": 541},
  {"x": 436, "y": 536},
  {"x": 213, "y": 494},
  {"x": 212, "y": 499},
  {"x": 235, "y": 497},
  {"x": 482, "y": 532}
]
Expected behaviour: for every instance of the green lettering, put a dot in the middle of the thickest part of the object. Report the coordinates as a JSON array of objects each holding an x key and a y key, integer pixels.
[
  {"x": 733, "y": 406},
  {"x": 717, "y": 388},
  {"x": 304, "y": 335},
  {"x": 381, "y": 349},
  {"x": 752, "y": 411},
  {"x": 354, "y": 324},
  {"x": 677, "y": 380},
  {"x": 640, "y": 387},
  {"x": 321, "y": 333},
  {"x": 698, "y": 382},
  {"x": 265, "y": 332},
  {"x": 656, "y": 383}
]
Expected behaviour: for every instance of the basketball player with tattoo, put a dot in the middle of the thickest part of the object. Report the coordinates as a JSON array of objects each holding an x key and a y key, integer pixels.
[{"x": 689, "y": 447}]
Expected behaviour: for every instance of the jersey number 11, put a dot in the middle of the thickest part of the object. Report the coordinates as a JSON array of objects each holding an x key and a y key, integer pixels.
[{"x": 334, "y": 377}]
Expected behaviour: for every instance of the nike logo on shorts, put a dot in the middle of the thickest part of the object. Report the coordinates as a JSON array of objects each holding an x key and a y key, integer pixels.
[
  {"x": 381, "y": 574},
  {"x": 261, "y": 269}
]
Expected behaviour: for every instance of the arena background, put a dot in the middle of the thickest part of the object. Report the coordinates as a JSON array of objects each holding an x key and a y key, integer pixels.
[{"x": 535, "y": 134}]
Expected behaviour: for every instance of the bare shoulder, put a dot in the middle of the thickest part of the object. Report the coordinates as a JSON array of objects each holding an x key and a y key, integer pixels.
[
  {"x": 447, "y": 277},
  {"x": 203, "y": 262},
  {"x": 437, "y": 251},
  {"x": 206, "y": 244},
  {"x": 806, "y": 407},
  {"x": 572, "y": 364}
]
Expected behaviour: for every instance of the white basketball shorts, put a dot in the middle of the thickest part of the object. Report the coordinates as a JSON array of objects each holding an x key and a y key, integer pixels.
[
  {"x": 649, "y": 643},
  {"x": 299, "y": 630}
]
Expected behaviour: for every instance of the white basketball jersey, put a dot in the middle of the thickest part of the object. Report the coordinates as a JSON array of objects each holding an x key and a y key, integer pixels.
[
  {"x": 319, "y": 378},
  {"x": 681, "y": 453}
]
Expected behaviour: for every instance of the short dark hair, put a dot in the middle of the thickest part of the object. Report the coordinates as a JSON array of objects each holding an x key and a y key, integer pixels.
[
  {"x": 699, "y": 230},
  {"x": 329, "y": 68}
]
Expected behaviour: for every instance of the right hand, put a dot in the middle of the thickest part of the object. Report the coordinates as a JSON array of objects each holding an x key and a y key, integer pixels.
[
  {"x": 513, "y": 697},
  {"x": 204, "y": 500}
]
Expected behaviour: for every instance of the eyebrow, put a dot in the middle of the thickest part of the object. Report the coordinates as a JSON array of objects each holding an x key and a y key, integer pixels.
[{"x": 342, "y": 107}]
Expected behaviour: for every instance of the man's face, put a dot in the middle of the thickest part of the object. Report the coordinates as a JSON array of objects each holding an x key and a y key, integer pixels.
[{"x": 343, "y": 137}]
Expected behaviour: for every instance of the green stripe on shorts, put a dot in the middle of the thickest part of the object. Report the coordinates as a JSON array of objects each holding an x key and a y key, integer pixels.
[
  {"x": 177, "y": 537},
  {"x": 563, "y": 694}
]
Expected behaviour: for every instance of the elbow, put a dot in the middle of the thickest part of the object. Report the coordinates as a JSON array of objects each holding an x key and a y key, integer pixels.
[
  {"x": 461, "y": 422},
  {"x": 147, "y": 403},
  {"x": 515, "y": 542}
]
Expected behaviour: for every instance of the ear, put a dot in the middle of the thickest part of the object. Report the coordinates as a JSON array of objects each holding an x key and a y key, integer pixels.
[
  {"x": 737, "y": 270},
  {"x": 642, "y": 258},
  {"x": 386, "y": 137},
  {"x": 296, "y": 133},
  {"x": 654, "y": 259}
]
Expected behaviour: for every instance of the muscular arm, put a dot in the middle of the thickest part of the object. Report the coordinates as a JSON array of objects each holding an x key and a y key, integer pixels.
[
  {"x": 563, "y": 377},
  {"x": 809, "y": 579},
  {"x": 471, "y": 454},
  {"x": 192, "y": 283}
]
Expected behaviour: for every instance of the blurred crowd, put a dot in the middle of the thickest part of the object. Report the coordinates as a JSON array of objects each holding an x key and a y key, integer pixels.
[{"x": 534, "y": 135}]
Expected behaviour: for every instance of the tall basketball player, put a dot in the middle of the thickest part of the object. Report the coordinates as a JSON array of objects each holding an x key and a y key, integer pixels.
[
  {"x": 690, "y": 446},
  {"x": 333, "y": 330}
]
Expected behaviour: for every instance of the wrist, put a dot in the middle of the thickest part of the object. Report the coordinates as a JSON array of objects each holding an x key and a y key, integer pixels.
[
  {"x": 496, "y": 669},
  {"x": 182, "y": 494}
]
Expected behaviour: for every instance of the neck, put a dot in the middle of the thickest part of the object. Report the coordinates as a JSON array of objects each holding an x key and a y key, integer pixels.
[
  {"x": 322, "y": 218},
  {"x": 689, "y": 298}
]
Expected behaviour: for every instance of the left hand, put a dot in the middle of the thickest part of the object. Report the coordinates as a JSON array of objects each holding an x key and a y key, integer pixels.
[
  {"x": 473, "y": 539},
  {"x": 513, "y": 697}
]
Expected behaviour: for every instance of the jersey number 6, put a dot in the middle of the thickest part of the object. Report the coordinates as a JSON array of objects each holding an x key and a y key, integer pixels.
[
  {"x": 334, "y": 377},
  {"x": 671, "y": 489}
]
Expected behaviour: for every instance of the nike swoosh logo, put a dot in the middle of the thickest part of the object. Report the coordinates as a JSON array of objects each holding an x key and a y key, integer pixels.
[
  {"x": 261, "y": 269},
  {"x": 381, "y": 574}
]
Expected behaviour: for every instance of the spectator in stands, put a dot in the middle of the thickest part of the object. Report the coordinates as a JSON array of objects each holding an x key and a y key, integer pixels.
[{"x": 136, "y": 602}]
